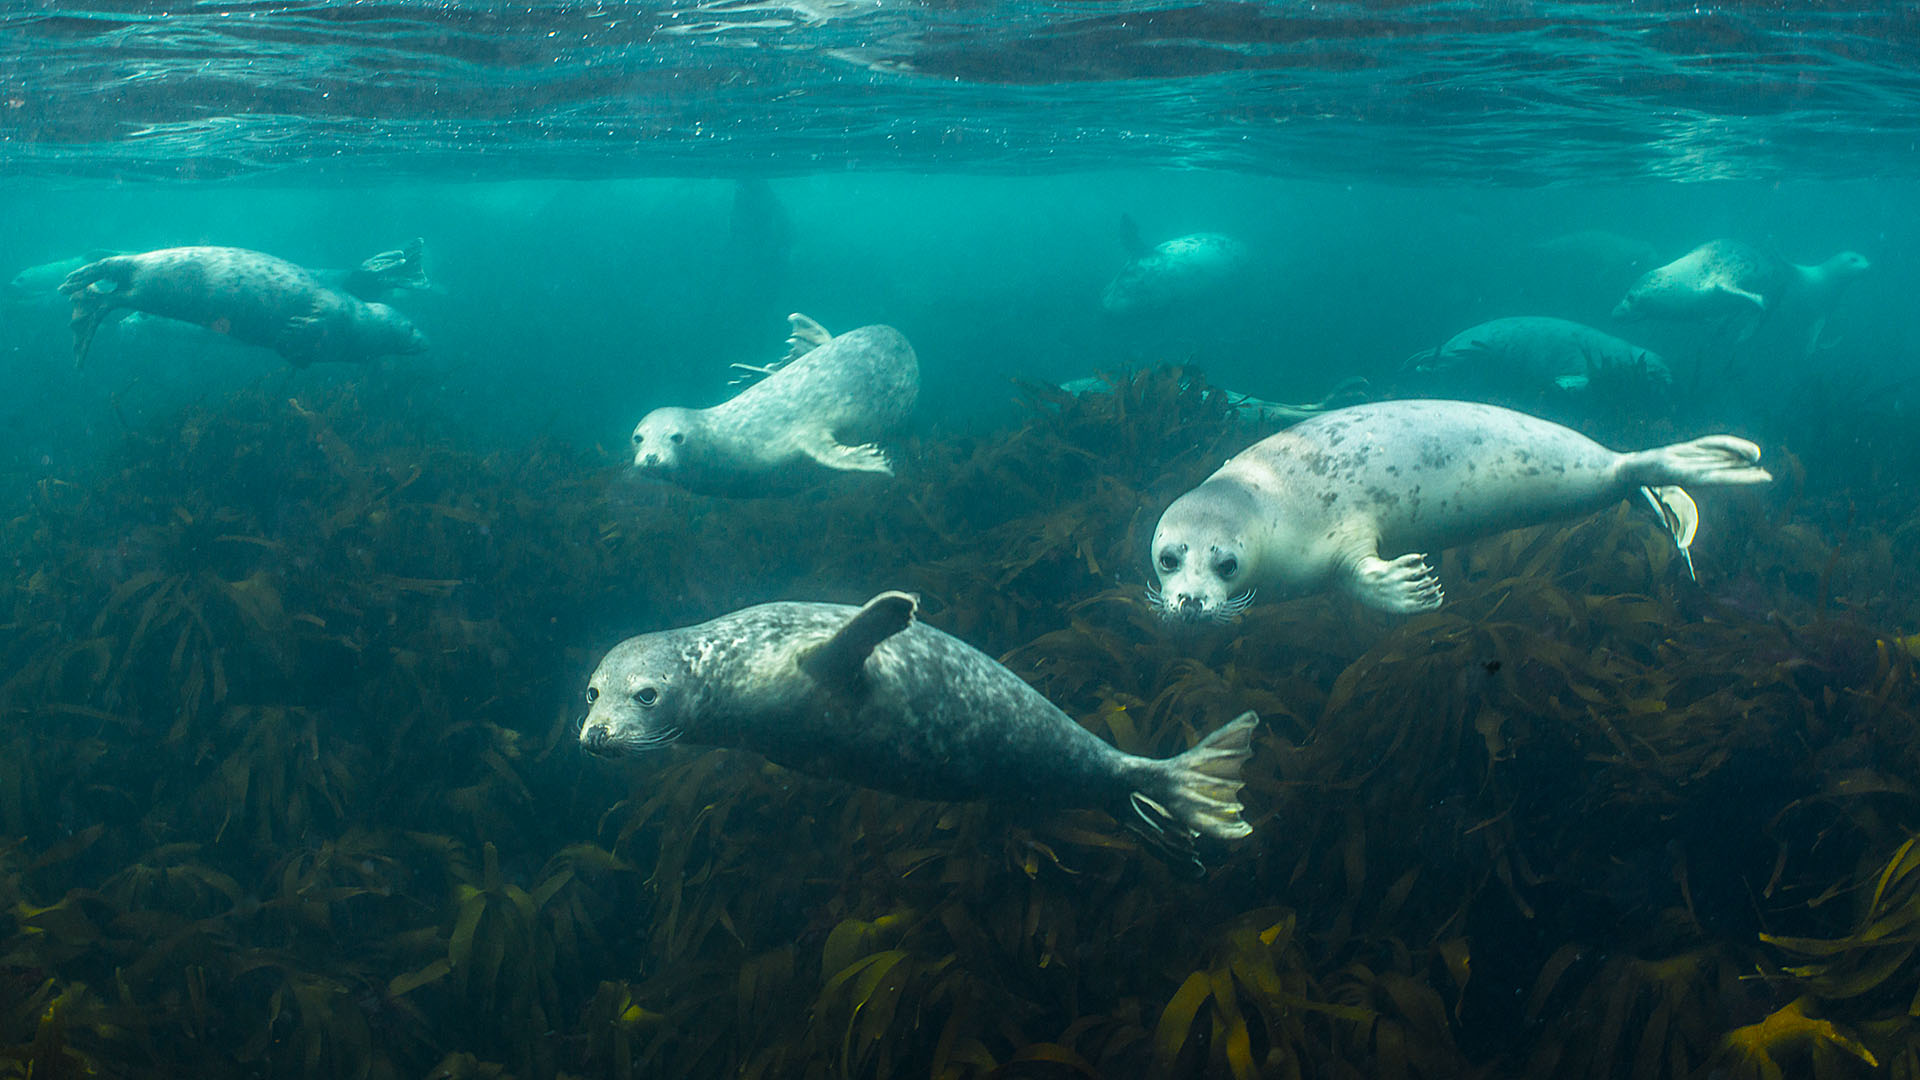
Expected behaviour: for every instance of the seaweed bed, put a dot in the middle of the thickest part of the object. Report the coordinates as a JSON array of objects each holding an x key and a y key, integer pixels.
[{"x": 289, "y": 786}]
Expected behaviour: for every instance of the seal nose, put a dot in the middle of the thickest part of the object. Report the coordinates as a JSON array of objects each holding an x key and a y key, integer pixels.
[
  {"x": 1191, "y": 607},
  {"x": 597, "y": 740},
  {"x": 652, "y": 459}
]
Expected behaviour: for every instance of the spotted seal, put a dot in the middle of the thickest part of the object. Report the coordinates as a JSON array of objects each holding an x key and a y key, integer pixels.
[
  {"x": 1318, "y": 504},
  {"x": 874, "y": 697},
  {"x": 253, "y": 298},
  {"x": 1174, "y": 272},
  {"x": 1533, "y": 353},
  {"x": 1734, "y": 285},
  {"x": 783, "y": 429}
]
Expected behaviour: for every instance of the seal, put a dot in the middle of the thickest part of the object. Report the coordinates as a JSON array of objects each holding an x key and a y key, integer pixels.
[
  {"x": 380, "y": 276},
  {"x": 783, "y": 429},
  {"x": 1533, "y": 354},
  {"x": 1175, "y": 272},
  {"x": 253, "y": 298},
  {"x": 1734, "y": 285},
  {"x": 1317, "y": 505},
  {"x": 874, "y": 697},
  {"x": 1246, "y": 408},
  {"x": 41, "y": 282}
]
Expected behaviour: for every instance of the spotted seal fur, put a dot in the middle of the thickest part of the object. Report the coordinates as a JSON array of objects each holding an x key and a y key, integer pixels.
[
  {"x": 783, "y": 429},
  {"x": 875, "y": 697},
  {"x": 254, "y": 298},
  {"x": 1327, "y": 502}
]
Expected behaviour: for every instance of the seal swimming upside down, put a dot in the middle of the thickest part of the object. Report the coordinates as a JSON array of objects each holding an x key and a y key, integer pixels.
[
  {"x": 872, "y": 696},
  {"x": 254, "y": 298},
  {"x": 1171, "y": 273},
  {"x": 1328, "y": 502},
  {"x": 799, "y": 419}
]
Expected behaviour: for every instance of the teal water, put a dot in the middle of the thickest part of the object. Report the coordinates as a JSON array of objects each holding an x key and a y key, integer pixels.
[{"x": 294, "y": 655}]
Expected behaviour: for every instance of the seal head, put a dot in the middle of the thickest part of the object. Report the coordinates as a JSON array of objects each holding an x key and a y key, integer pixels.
[
  {"x": 1204, "y": 555},
  {"x": 636, "y": 698},
  {"x": 660, "y": 438}
]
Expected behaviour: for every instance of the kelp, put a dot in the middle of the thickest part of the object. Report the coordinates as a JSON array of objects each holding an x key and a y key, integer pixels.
[{"x": 289, "y": 784}]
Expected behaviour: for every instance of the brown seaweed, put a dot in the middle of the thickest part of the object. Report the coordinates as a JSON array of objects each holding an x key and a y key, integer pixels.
[{"x": 288, "y": 782}]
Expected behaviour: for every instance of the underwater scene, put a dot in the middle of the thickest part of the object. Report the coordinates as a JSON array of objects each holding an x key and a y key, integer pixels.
[{"x": 861, "y": 539}]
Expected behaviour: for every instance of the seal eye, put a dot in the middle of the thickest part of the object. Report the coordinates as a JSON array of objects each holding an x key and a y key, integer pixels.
[
  {"x": 593, "y": 694},
  {"x": 677, "y": 438},
  {"x": 638, "y": 438},
  {"x": 1169, "y": 561},
  {"x": 1228, "y": 566},
  {"x": 646, "y": 696}
]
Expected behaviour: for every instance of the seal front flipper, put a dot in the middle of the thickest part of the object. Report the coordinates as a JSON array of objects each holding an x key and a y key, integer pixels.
[
  {"x": 1405, "y": 585},
  {"x": 840, "y": 660},
  {"x": 1679, "y": 516},
  {"x": 866, "y": 457},
  {"x": 1195, "y": 794}
]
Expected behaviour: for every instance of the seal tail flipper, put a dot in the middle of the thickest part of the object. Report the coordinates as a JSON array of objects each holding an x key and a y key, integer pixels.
[
  {"x": 1679, "y": 516},
  {"x": 90, "y": 303},
  {"x": 1130, "y": 237},
  {"x": 1197, "y": 793},
  {"x": 1714, "y": 460},
  {"x": 803, "y": 336},
  {"x": 411, "y": 273},
  {"x": 840, "y": 660}
]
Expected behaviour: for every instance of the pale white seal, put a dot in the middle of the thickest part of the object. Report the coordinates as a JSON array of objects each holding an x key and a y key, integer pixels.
[
  {"x": 799, "y": 419},
  {"x": 1736, "y": 285},
  {"x": 1175, "y": 272},
  {"x": 1329, "y": 502}
]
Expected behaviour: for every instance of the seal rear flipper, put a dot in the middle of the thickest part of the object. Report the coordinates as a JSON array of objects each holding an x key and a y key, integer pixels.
[
  {"x": 1712, "y": 460},
  {"x": 1197, "y": 793},
  {"x": 1405, "y": 585},
  {"x": 803, "y": 336},
  {"x": 840, "y": 660},
  {"x": 1130, "y": 237},
  {"x": 91, "y": 305},
  {"x": 1679, "y": 516}
]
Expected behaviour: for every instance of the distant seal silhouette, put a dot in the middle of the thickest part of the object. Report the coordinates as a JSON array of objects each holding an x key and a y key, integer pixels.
[
  {"x": 1735, "y": 285},
  {"x": 1247, "y": 408},
  {"x": 1535, "y": 353},
  {"x": 1319, "y": 504},
  {"x": 1177, "y": 271},
  {"x": 787, "y": 427},
  {"x": 251, "y": 297},
  {"x": 41, "y": 282},
  {"x": 874, "y": 697}
]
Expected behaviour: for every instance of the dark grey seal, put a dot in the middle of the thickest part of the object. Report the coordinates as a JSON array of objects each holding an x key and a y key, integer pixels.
[
  {"x": 253, "y": 298},
  {"x": 871, "y": 696}
]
